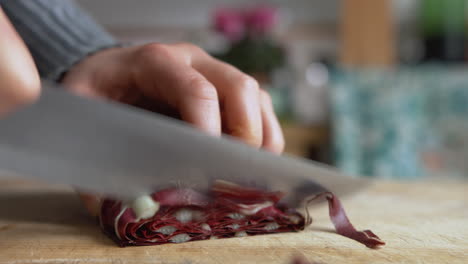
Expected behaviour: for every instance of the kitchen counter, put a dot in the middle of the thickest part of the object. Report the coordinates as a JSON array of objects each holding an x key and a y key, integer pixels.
[{"x": 422, "y": 222}]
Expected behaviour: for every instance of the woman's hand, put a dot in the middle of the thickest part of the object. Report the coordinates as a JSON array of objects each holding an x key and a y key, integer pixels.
[
  {"x": 211, "y": 95},
  {"x": 182, "y": 79},
  {"x": 19, "y": 79}
]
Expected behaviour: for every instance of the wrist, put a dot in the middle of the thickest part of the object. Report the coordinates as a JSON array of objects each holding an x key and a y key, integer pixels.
[{"x": 78, "y": 63}]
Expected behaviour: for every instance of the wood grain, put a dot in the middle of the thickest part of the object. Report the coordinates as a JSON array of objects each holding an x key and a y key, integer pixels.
[
  {"x": 368, "y": 36},
  {"x": 421, "y": 223}
]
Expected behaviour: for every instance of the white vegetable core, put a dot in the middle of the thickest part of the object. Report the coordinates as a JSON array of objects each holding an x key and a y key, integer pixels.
[
  {"x": 180, "y": 238},
  {"x": 241, "y": 234},
  {"x": 271, "y": 226},
  {"x": 167, "y": 230},
  {"x": 185, "y": 215},
  {"x": 145, "y": 207},
  {"x": 206, "y": 227},
  {"x": 236, "y": 216},
  {"x": 294, "y": 219}
]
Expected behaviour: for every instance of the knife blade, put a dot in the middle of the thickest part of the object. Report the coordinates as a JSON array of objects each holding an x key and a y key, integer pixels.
[{"x": 124, "y": 152}]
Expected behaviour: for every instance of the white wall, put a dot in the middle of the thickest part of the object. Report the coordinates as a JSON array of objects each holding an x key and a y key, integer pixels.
[{"x": 197, "y": 13}]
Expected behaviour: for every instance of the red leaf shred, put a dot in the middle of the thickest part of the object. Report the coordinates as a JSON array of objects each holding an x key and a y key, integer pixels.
[{"x": 229, "y": 210}]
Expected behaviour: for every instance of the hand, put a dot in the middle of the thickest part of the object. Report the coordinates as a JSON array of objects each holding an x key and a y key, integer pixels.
[
  {"x": 19, "y": 80},
  {"x": 211, "y": 95}
]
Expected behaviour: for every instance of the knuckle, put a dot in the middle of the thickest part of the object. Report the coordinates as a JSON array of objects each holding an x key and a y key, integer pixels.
[
  {"x": 248, "y": 84},
  {"x": 194, "y": 49},
  {"x": 153, "y": 49},
  {"x": 202, "y": 89}
]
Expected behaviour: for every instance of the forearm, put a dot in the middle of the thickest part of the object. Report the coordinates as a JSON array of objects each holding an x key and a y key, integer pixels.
[{"x": 57, "y": 32}]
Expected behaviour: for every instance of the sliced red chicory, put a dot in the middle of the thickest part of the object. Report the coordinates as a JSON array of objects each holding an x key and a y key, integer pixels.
[{"x": 181, "y": 215}]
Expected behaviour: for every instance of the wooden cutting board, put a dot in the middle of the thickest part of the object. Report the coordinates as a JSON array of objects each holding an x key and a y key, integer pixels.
[{"x": 421, "y": 223}]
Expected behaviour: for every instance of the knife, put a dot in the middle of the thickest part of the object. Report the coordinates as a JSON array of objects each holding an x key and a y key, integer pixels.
[{"x": 124, "y": 152}]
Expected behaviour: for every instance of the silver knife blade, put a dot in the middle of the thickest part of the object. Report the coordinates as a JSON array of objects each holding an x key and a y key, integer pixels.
[{"x": 124, "y": 152}]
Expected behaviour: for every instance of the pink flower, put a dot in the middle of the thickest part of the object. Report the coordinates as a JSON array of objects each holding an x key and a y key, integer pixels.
[
  {"x": 261, "y": 19},
  {"x": 230, "y": 22}
]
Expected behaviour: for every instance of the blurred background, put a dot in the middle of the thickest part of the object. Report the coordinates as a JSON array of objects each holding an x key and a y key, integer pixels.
[{"x": 377, "y": 88}]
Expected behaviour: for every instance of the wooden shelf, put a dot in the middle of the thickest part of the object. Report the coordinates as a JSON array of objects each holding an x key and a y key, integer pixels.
[{"x": 300, "y": 138}]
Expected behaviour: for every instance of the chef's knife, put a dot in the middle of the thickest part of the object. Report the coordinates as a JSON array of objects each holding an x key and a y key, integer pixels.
[{"x": 124, "y": 152}]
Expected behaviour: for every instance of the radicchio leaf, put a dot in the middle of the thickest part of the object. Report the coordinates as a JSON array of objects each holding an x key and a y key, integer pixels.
[
  {"x": 228, "y": 211},
  {"x": 342, "y": 224}
]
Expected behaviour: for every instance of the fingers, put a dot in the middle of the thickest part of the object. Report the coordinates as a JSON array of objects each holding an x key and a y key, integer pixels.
[
  {"x": 205, "y": 91},
  {"x": 240, "y": 99},
  {"x": 198, "y": 103},
  {"x": 243, "y": 117},
  {"x": 273, "y": 139},
  {"x": 164, "y": 76}
]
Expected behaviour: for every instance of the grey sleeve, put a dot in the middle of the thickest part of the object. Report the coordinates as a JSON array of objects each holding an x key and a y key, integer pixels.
[{"x": 58, "y": 33}]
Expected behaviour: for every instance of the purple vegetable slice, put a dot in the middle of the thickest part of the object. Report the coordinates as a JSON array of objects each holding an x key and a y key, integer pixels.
[
  {"x": 342, "y": 224},
  {"x": 180, "y": 215}
]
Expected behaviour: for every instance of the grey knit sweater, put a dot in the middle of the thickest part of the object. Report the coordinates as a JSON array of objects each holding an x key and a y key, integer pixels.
[{"x": 58, "y": 33}]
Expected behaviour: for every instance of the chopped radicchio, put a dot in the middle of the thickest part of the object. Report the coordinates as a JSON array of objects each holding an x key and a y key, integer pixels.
[{"x": 181, "y": 215}]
